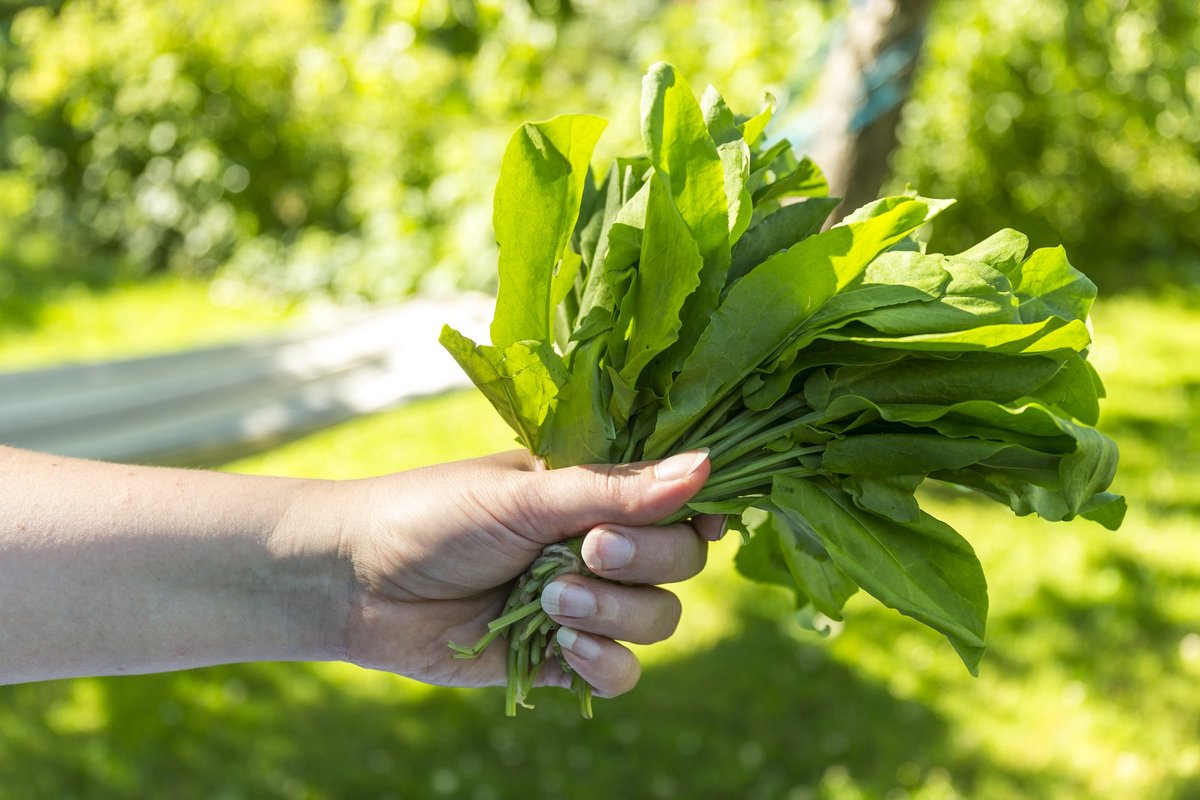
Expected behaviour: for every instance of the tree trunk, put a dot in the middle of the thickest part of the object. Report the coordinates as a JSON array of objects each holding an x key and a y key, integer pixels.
[{"x": 862, "y": 92}]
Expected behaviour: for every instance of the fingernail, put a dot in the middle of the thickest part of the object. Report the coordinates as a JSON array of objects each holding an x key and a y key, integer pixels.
[
  {"x": 706, "y": 527},
  {"x": 680, "y": 466},
  {"x": 568, "y": 600},
  {"x": 607, "y": 550},
  {"x": 583, "y": 646}
]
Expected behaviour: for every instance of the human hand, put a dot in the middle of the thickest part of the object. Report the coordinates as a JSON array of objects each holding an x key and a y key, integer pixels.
[{"x": 435, "y": 550}]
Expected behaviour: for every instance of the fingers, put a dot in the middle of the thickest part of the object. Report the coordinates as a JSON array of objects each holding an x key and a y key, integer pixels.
[
  {"x": 610, "y": 668},
  {"x": 645, "y": 555},
  {"x": 640, "y": 614},
  {"x": 561, "y": 503}
]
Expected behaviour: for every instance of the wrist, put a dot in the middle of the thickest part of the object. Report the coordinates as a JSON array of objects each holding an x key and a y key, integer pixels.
[{"x": 313, "y": 570}]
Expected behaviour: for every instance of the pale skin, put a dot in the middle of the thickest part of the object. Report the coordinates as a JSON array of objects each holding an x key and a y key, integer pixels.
[{"x": 108, "y": 569}]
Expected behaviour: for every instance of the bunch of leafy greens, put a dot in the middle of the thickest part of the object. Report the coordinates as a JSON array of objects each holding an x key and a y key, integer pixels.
[{"x": 690, "y": 299}]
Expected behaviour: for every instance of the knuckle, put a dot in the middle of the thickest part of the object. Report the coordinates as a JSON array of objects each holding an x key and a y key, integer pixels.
[{"x": 611, "y": 484}]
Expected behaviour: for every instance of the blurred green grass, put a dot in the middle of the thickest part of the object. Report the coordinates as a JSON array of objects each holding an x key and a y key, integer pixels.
[
  {"x": 1088, "y": 689},
  {"x": 155, "y": 315}
]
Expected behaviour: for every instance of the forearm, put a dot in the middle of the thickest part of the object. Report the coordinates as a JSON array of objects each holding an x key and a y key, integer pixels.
[{"x": 110, "y": 569}]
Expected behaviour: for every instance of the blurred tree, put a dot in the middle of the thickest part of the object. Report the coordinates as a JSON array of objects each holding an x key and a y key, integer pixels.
[
  {"x": 1078, "y": 122},
  {"x": 346, "y": 148}
]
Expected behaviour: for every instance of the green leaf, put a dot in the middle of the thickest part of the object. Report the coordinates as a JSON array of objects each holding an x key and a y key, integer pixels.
[
  {"x": 520, "y": 381},
  {"x": 769, "y": 305},
  {"x": 1090, "y": 469},
  {"x": 1048, "y": 286},
  {"x": 1051, "y": 336},
  {"x": 924, "y": 570},
  {"x": 579, "y": 429},
  {"x": 668, "y": 272},
  {"x": 776, "y": 380},
  {"x": 1073, "y": 390},
  {"x": 806, "y": 180},
  {"x": 890, "y": 496},
  {"x": 718, "y": 119},
  {"x": 939, "y": 381},
  {"x": 760, "y": 559},
  {"x": 884, "y": 454},
  {"x": 733, "y": 507},
  {"x": 735, "y": 160},
  {"x": 1106, "y": 508},
  {"x": 1030, "y": 425},
  {"x": 975, "y": 295},
  {"x": 779, "y": 231},
  {"x": 535, "y": 210},
  {"x": 815, "y": 574},
  {"x": 883, "y": 205},
  {"x": 684, "y": 155},
  {"x": 686, "y": 158},
  {"x": 753, "y": 127},
  {"x": 624, "y": 398},
  {"x": 1003, "y": 251},
  {"x": 891, "y": 279},
  {"x": 1025, "y": 491}
]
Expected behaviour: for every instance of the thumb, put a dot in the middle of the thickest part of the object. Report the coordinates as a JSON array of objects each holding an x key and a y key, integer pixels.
[{"x": 568, "y": 502}]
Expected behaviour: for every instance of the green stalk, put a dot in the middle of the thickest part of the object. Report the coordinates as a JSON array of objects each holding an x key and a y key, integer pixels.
[
  {"x": 754, "y": 443},
  {"x": 757, "y": 466},
  {"x": 737, "y": 431},
  {"x": 697, "y": 436}
]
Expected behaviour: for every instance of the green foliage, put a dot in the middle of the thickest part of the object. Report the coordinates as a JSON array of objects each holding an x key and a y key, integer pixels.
[{"x": 1077, "y": 122}]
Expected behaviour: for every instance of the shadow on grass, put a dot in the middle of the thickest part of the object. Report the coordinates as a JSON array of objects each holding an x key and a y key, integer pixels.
[{"x": 761, "y": 716}]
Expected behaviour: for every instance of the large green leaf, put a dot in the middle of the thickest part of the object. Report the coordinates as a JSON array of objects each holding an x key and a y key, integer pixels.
[
  {"x": 1053, "y": 335},
  {"x": 685, "y": 156},
  {"x": 804, "y": 180},
  {"x": 779, "y": 231},
  {"x": 1029, "y": 425},
  {"x": 883, "y": 454},
  {"x": 816, "y": 576},
  {"x": 668, "y": 272},
  {"x": 1074, "y": 391},
  {"x": 761, "y": 559},
  {"x": 922, "y": 569},
  {"x": 535, "y": 210},
  {"x": 734, "y": 152},
  {"x": 936, "y": 381},
  {"x": 975, "y": 295}
]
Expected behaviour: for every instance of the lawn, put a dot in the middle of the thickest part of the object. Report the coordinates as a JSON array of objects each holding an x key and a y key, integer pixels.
[{"x": 1088, "y": 689}]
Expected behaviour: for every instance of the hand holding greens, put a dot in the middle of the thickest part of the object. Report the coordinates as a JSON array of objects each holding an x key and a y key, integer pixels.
[{"x": 690, "y": 299}]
